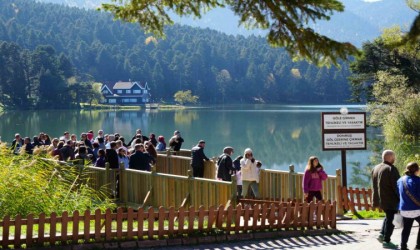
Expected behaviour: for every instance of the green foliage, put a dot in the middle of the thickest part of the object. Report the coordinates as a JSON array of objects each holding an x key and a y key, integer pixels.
[
  {"x": 366, "y": 215},
  {"x": 361, "y": 175},
  {"x": 30, "y": 184},
  {"x": 286, "y": 21},
  {"x": 382, "y": 55},
  {"x": 388, "y": 75},
  {"x": 41, "y": 79},
  {"x": 186, "y": 96},
  {"x": 90, "y": 47}
]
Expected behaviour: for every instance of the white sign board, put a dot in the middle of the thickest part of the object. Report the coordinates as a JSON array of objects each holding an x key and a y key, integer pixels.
[
  {"x": 339, "y": 121},
  {"x": 344, "y": 141}
]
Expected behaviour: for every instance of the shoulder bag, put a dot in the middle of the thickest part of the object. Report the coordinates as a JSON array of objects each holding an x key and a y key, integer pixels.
[{"x": 408, "y": 192}]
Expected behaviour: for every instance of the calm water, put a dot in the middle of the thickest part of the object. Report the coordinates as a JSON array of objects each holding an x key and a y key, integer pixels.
[{"x": 278, "y": 135}]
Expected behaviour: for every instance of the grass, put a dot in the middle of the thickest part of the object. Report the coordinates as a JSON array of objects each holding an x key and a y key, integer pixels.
[
  {"x": 169, "y": 107},
  {"x": 31, "y": 184},
  {"x": 107, "y": 106},
  {"x": 365, "y": 215}
]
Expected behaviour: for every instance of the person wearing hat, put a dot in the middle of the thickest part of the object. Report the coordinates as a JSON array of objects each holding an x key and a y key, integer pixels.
[
  {"x": 176, "y": 141},
  {"x": 197, "y": 159},
  {"x": 225, "y": 167},
  {"x": 250, "y": 173}
]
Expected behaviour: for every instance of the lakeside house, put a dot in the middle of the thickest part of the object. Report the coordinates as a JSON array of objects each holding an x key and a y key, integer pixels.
[{"x": 126, "y": 93}]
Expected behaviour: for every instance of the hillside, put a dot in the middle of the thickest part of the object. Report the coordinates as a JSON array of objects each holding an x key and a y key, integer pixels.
[
  {"x": 215, "y": 66},
  {"x": 361, "y": 21}
]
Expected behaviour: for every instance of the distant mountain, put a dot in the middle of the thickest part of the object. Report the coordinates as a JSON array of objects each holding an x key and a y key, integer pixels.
[{"x": 361, "y": 21}]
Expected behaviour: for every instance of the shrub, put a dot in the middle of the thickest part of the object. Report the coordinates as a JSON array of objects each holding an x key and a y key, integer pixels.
[{"x": 31, "y": 184}]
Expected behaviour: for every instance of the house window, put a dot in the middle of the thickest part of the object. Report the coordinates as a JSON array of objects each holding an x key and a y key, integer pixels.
[
  {"x": 133, "y": 100},
  {"x": 106, "y": 92},
  {"x": 128, "y": 91},
  {"x": 119, "y": 91},
  {"x": 112, "y": 101},
  {"x": 145, "y": 91},
  {"x": 137, "y": 91}
]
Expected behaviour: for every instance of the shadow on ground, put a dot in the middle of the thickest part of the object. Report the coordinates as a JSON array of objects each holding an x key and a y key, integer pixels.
[{"x": 282, "y": 243}]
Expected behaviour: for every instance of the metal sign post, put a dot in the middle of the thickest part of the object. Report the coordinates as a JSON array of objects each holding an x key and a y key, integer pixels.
[{"x": 343, "y": 131}]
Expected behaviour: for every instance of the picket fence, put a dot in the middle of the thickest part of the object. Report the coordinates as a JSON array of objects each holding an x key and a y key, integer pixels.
[
  {"x": 151, "y": 223},
  {"x": 354, "y": 199}
]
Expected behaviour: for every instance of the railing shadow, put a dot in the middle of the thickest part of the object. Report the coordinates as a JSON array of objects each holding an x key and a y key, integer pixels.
[{"x": 302, "y": 242}]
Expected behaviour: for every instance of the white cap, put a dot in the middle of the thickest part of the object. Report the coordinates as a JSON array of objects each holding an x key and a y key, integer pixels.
[{"x": 248, "y": 151}]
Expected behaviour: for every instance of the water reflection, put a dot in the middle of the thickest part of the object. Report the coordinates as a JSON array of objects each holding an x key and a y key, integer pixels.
[{"x": 279, "y": 135}]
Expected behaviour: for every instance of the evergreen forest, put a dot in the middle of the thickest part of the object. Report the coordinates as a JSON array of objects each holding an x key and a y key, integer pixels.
[{"x": 54, "y": 56}]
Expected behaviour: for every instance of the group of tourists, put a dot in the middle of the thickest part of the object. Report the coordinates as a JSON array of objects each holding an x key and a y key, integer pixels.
[
  {"x": 396, "y": 195},
  {"x": 138, "y": 153},
  {"x": 391, "y": 192}
]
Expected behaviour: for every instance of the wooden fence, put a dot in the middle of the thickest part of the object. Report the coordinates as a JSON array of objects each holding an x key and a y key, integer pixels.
[
  {"x": 180, "y": 165},
  {"x": 355, "y": 199},
  {"x": 160, "y": 223},
  {"x": 274, "y": 184},
  {"x": 141, "y": 188}
]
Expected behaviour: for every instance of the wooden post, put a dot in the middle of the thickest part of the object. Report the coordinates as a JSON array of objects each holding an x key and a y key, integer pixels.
[
  {"x": 152, "y": 186},
  {"x": 233, "y": 197},
  {"x": 344, "y": 167},
  {"x": 292, "y": 182},
  {"x": 338, "y": 192},
  {"x": 108, "y": 178},
  {"x": 122, "y": 186}
]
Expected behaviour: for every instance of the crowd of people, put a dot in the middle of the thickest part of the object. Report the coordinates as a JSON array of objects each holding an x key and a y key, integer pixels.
[
  {"x": 391, "y": 192},
  {"x": 140, "y": 152}
]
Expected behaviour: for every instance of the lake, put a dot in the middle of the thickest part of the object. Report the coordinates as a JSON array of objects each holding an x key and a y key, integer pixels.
[{"x": 279, "y": 135}]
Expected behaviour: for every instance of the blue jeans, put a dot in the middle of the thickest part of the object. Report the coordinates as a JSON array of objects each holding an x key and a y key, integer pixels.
[
  {"x": 387, "y": 226},
  {"x": 254, "y": 187}
]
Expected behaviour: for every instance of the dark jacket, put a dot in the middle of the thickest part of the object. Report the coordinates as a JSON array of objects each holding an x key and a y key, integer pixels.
[
  {"x": 198, "y": 157},
  {"x": 384, "y": 186},
  {"x": 16, "y": 145},
  {"x": 100, "y": 162},
  {"x": 67, "y": 152},
  {"x": 88, "y": 143},
  {"x": 140, "y": 161},
  {"x": 111, "y": 157},
  {"x": 29, "y": 148},
  {"x": 225, "y": 167},
  {"x": 175, "y": 143}
]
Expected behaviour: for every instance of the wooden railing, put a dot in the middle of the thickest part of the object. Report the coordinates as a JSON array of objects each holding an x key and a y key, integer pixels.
[
  {"x": 355, "y": 199},
  {"x": 180, "y": 165},
  {"x": 140, "y": 188},
  {"x": 160, "y": 223},
  {"x": 275, "y": 184}
]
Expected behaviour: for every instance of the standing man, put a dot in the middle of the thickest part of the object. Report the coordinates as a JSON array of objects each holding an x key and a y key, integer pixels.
[
  {"x": 140, "y": 160},
  {"x": 197, "y": 159},
  {"x": 385, "y": 194},
  {"x": 225, "y": 167},
  {"x": 111, "y": 156},
  {"x": 176, "y": 141}
]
